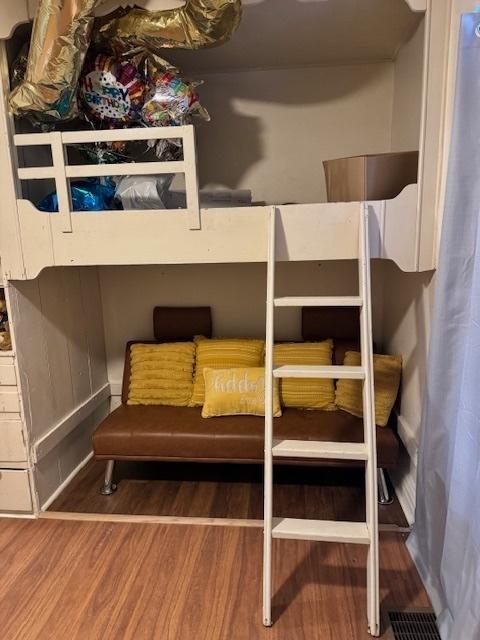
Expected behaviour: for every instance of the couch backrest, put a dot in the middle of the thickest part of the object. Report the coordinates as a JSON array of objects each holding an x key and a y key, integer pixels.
[{"x": 181, "y": 324}]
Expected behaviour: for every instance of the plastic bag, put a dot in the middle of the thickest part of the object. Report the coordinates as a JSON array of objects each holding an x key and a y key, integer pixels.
[
  {"x": 144, "y": 192},
  {"x": 87, "y": 195}
]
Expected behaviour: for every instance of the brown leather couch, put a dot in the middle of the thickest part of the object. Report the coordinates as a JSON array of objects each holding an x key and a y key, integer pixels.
[{"x": 180, "y": 433}]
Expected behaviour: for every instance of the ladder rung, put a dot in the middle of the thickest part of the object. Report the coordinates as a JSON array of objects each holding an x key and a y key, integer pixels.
[
  {"x": 319, "y": 301},
  {"x": 315, "y": 371},
  {"x": 320, "y": 450},
  {"x": 321, "y": 530}
]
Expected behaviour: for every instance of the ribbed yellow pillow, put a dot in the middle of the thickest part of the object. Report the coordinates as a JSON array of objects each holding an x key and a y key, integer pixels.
[
  {"x": 306, "y": 393},
  {"x": 238, "y": 391},
  {"x": 387, "y": 371},
  {"x": 161, "y": 373},
  {"x": 223, "y": 353}
]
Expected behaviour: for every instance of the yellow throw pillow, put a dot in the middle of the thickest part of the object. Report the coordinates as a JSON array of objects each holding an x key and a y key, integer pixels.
[
  {"x": 161, "y": 373},
  {"x": 387, "y": 372},
  {"x": 238, "y": 391},
  {"x": 223, "y": 353},
  {"x": 306, "y": 393}
]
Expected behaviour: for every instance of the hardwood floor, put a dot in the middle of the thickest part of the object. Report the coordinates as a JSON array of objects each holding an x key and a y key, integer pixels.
[
  {"x": 89, "y": 581},
  {"x": 222, "y": 491}
]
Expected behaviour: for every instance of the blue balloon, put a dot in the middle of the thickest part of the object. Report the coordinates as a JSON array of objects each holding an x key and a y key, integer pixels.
[{"x": 87, "y": 195}]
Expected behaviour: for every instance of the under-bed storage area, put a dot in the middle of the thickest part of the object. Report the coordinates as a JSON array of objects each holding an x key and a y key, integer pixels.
[
  {"x": 366, "y": 81},
  {"x": 72, "y": 326},
  {"x": 356, "y": 86},
  {"x": 57, "y": 321}
]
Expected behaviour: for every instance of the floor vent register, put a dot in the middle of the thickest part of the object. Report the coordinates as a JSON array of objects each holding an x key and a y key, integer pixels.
[{"x": 412, "y": 625}]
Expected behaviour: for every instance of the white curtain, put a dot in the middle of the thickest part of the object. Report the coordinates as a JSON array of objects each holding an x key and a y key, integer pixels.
[{"x": 445, "y": 543}]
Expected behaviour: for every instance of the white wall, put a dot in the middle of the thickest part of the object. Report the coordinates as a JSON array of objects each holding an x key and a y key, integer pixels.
[
  {"x": 407, "y": 305},
  {"x": 407, "y": 95},
  {"x": 270, "y": 130},
  {"x": 236, "y": 293},
  {"x": 408, "y": 297}
]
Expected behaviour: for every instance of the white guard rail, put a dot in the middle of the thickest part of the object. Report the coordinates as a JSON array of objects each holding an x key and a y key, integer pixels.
[{"x": 61, "y": 171}]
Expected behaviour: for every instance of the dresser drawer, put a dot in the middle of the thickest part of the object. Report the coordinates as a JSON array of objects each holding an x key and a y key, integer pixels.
[
  {"x": 12, "y": 445},
  {"x": 8, "y": 376},
  {"x": 9, "y": 400},
  {"x": 15, "y": 491}
]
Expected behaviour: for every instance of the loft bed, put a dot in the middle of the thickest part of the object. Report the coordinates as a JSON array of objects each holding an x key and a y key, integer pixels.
[
  {"x": 323, "y": 231},
  {"x": 402, "y": 229}
]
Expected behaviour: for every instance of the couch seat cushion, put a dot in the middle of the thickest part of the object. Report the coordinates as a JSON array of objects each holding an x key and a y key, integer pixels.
[{"x": 163, "y": 432}]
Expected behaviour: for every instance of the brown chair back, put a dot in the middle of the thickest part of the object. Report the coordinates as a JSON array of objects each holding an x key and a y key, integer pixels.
[{"x": 180, "y": 324}]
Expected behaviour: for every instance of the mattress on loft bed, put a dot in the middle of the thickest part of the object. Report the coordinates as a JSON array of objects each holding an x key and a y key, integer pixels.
[
  {"x": 214, "y": 198},
  {"x": 147, "y": 193}
]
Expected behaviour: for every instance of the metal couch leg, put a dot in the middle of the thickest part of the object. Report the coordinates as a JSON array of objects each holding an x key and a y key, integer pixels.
[
  {"x": 108, "y": 486},
  {"x": 384, "y": 496}
]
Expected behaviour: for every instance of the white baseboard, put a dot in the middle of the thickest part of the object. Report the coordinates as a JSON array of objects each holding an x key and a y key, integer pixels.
[
  {"x": 404, "y": 478},
  {"x": 116, "y": 387},
  {"x": 57, "y": 433},
  {"x": 408, "y": 435},
  {"x": 116, "y": 397},
  {"x": 66, "y": 482},
  {"x": 23, "y": 516}
]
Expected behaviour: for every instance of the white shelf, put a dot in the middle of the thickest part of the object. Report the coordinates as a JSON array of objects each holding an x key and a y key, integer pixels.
[
  {"x": 320, "y": 530},
  {"x": 319, "y": 450}
]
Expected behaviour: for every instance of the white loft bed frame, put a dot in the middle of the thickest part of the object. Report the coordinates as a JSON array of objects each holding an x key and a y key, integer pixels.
[
  {"x": 402, "y": 230},
  {"x": 323, "y": 231}
]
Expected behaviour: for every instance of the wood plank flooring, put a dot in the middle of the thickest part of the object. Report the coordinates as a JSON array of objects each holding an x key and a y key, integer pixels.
[
  {"x": 103, "y": 581},
  {"x": 222, "y": 491}
]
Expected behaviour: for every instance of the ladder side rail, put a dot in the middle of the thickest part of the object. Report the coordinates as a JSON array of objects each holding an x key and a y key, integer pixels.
[
  {"x": 269, "y": 382},
  {"x": 373, "y": 604}
]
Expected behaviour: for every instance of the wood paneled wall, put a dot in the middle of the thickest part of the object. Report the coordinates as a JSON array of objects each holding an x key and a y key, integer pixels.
[
  {"x": 60, "y": 341},
  {"x": 61, "y": 355},
  {"x": 236, "y": 293}
]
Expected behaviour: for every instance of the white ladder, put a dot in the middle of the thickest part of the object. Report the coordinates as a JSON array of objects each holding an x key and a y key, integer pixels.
[{"x": 324, "y": 530}]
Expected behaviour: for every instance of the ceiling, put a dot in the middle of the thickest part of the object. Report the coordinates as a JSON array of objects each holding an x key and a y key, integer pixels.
[
  {"x": 296, "y": 33},
  {"x": 293, "y": 33}
]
